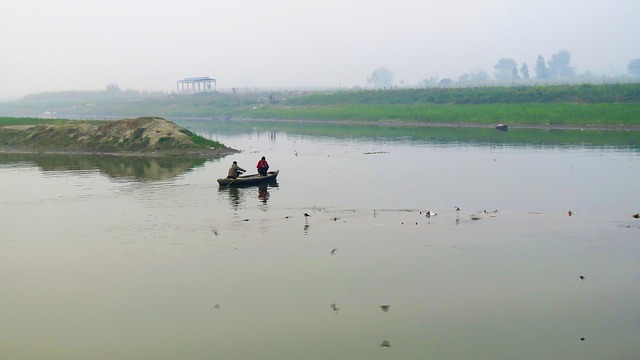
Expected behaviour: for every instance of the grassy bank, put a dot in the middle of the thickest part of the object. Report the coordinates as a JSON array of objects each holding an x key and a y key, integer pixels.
[
  {"x": 531, "y": 113},
  {"x": 586, "y": 93},
  {"x": 578, "y": 105},
  {"x": 606, "y": 105}
]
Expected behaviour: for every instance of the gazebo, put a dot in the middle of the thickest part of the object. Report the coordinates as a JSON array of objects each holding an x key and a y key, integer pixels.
[{"x": 196, "y": 85}]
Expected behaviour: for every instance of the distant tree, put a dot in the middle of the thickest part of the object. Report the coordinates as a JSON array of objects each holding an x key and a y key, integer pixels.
[
  {"x": 113, "y": 87},
  {"x": 541, "y": 68},
  {"x": 381, "y": 78},
  {"x": 476, "y": 77},
  {"x": 514, "y": 73},
  {"x": 504, "y": 69},
  {"x": 634, "y": 67},
  {"x": 481, "y": 76},
  {"x": 560, "y": 65},
  {"x": 430, "y": 82},
  {"x": 445, "y": 82},
  {"x": 524, "y": 70}
]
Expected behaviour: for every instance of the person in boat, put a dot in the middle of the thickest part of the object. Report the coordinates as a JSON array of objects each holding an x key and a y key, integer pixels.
[
  {"x": 263, "y": 166},
  {"x": 235, "y": 171}
]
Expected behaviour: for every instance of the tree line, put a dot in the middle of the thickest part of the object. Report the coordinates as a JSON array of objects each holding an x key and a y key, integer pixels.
[{"x": 556, "y": 69}]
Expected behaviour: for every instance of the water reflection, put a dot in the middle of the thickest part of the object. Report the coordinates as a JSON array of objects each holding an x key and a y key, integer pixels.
[
  {"x": 263, "y": 193},
  {"x": 622, "y": 138},
  {"x": 139, "y": 168},
  {"x": 237, "y": 194},
  {"x": 235, "y": 200}
]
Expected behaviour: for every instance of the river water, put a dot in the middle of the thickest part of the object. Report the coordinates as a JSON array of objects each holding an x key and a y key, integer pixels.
[{"x": 107, "y": 258}]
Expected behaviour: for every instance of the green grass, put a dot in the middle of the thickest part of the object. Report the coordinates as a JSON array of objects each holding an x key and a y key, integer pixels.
[
  {"x": 530, "y": 113},
  {"x": 585, "y": 93},
  {"x": 600, "y": 104},
  {"x": 199, "y": 140}
]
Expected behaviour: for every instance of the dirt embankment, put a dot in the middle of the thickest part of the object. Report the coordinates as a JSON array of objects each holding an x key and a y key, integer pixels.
[{"x": 148, "y": 136}]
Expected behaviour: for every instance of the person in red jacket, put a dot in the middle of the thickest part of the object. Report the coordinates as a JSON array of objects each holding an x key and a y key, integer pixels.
[{"x": 262, "y": 166}]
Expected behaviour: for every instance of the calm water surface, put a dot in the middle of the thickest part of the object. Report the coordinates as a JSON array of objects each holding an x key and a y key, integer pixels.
[{"x": 116, "y": 259}]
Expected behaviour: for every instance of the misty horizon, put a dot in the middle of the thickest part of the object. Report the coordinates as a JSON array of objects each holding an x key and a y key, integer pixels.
[{"x": 85, "y": 46}]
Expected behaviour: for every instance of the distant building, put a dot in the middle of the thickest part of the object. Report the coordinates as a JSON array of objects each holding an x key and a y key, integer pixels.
[{"x": 196, "y": 85}]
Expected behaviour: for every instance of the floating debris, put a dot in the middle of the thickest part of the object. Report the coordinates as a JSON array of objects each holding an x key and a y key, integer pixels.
[
  {"x": 334, "y": 307},
  {"x": 333, "y": 251},
  {"x": 582, "y": 277},
  {"x": 582, "y": 339},
  {"x": 375, "y": 152},
  {"x": 385, "y": 343},
  {"x": 385, "y": 308}
]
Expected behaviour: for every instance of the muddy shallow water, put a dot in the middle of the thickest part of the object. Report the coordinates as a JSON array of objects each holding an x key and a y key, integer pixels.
[{"x": 105, "y": 259}]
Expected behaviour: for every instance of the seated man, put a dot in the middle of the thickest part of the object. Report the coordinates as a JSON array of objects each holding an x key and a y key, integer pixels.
[
  {"x": 263, "y": 166},
  {"x": 234, "y": 171}
]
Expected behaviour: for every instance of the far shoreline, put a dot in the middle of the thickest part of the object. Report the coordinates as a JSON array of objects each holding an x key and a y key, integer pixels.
[
  {"x": 154, "y": 154},
  {"x": 404, "y": 123}
]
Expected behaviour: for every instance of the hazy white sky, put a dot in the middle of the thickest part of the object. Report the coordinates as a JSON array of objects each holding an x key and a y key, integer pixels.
[{"x": 148, "y": 45}]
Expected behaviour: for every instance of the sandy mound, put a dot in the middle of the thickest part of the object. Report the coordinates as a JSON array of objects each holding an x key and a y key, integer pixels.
[{"x": 144, "y": 135}]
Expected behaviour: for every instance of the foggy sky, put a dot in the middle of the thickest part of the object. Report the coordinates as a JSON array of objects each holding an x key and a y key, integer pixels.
[{"x": 149, "y": 45}]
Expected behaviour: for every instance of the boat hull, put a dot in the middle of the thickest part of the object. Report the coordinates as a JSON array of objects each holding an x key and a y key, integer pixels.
[{"x": 249, "y": 180}]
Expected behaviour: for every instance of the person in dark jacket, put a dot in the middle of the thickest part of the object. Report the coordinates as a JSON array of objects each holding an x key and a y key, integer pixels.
[{"x": 263, "y": 166}]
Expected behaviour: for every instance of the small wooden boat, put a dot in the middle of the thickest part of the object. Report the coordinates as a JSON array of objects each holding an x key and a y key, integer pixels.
[
  {"x": 248, "y": 180},
  {"x": 502, "y": 127}
]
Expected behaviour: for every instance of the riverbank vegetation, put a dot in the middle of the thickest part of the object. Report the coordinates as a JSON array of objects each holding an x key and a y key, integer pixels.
[{"x": 605, "y": 105}]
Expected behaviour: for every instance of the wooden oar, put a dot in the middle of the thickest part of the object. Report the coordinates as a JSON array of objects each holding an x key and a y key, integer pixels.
[{"x": 234, "y": 179}]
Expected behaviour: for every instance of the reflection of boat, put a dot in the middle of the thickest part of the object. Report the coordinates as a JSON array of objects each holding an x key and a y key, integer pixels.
[{"x": 248, "y": 180}]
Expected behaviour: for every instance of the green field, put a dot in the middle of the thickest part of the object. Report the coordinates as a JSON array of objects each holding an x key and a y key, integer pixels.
[
  {"x": 610, "y": 105},
  {"x": 530, "y": 114}
]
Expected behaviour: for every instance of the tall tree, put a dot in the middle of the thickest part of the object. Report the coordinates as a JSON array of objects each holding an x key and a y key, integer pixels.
[
  {"x": 524, "y": 70},
  {"x": 560, "y": 65},
  {"x": 381, "y": 78},
  {"x": 541, "y": 68},
  {"x": 514, "y": 73},
  {"x": 634, "y": 67},
  {"x": 503, "y": 69}
]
